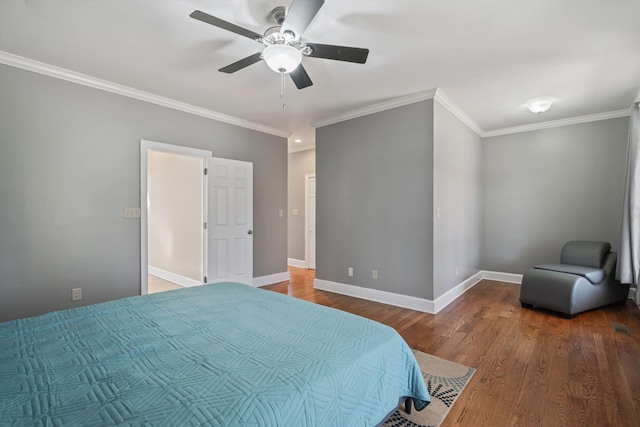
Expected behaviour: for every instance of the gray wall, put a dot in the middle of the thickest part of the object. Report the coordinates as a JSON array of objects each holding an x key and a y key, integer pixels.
[
  {"x": 300, "y": 163},
  {"x": 543, "y": 188},
  {"x": 457, "y": 195},
  {"x": 375, "y": 200},
  {"x": 70, "y": 163}
]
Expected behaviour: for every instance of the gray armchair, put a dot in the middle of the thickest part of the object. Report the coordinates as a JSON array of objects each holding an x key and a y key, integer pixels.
[{"x": 584, "y": 279}]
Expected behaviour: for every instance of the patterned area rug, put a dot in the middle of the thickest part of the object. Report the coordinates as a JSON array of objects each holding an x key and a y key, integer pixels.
[{"x": 445, "y": 381}]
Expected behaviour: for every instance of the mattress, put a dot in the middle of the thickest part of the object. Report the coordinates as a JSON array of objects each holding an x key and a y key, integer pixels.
[{"x": 221, "y": 354}]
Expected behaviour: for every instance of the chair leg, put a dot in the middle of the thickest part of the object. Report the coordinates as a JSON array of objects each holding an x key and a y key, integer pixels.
[{"x": 407, "y": 405}]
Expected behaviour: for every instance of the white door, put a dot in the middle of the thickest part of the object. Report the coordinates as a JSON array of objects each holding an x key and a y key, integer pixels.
[
  {"x": 310, "y": 220},
  {"x": 230, "y": 226}
]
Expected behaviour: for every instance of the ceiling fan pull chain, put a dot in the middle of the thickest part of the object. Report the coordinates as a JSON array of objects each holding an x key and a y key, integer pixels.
[{"x": 284, "y": 104}]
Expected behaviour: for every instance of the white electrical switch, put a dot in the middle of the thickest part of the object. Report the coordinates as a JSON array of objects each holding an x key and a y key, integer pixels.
[
  {"x": 281, "y": 213},
  {"x": 374, "y": 274},
  {"x": 351, "y": 271},
  {"x": 132, "y": 212},
  {"x": 294, "y": 212}
]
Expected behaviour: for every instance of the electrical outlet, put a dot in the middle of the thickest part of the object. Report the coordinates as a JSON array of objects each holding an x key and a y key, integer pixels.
[
  {"x": 76, "y": 294},
  {"x": 374, "y": 274},
  {"x": 350, "y": 271}
]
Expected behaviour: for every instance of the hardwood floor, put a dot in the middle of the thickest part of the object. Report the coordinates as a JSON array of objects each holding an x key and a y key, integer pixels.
[{"x": 534, "y": 368}]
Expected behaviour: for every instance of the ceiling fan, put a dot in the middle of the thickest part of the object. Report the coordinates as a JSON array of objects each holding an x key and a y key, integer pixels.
[{"x": 284, "y": 49}]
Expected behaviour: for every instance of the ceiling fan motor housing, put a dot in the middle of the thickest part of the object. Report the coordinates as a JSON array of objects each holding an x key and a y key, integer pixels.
[{"x": 278, "y": 14}]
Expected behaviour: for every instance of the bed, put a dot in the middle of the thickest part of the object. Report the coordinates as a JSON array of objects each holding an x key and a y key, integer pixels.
[{"x": 221, "y": 354}]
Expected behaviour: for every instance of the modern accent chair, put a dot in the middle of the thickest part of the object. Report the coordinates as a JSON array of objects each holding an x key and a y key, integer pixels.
[{"x": 584, "y": 279}]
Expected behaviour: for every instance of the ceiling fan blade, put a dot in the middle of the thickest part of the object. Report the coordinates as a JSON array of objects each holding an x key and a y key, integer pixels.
[
  {"x": 217, "y": 22},
  {"x": 300, "y": 77},
  {"x": 338, "y": 53},
  {"x": 300, "y": 15},
  {"x": 239, "y": 65}
]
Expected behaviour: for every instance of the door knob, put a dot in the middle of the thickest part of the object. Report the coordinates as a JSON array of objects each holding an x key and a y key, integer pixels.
[{"x": 250, "y": 232}]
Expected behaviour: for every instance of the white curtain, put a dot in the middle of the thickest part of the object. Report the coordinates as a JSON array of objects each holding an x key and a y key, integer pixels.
[{"x": 629, "y": 257}]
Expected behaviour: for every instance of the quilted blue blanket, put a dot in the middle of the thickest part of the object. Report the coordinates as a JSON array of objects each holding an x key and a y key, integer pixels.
[{"x": 221, "y": 354}]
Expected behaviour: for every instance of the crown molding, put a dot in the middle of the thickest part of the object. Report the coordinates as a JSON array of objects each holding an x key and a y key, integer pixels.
[
  {"x": 456, "y": 111},
  {"x": 436, "y": 94},
  {"x": 298, "y": 148},
  {"x": 94, "y": 82},
  {"x": 376, "y": 108},
  {"x": 557, "y": 123}
]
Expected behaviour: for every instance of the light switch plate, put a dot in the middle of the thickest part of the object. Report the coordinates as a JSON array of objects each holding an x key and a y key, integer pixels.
[
  {"x": 132, "y": 212},
  {"x": 294, "y": 212}
]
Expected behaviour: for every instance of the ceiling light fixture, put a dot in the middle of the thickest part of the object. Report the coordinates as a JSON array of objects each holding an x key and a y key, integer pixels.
[
  {"x": 540, "y": 105},
  {"x": 282, "y": 58},
  {"x": 297, "y": 140}
]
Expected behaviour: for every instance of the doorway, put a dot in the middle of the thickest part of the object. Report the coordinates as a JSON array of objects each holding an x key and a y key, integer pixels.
[
  {"x": 310, "y": 220},
  {"x": 173, "y": 211},
  {"x": 225, "y": 223}
]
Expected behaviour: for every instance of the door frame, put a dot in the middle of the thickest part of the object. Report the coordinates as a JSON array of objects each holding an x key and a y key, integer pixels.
[
  {"x": 307, "y": 178},
  {"x": 145, "y": 146}
]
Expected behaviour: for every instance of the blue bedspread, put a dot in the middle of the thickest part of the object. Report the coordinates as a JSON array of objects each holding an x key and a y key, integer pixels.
[{"x": 222, "y": 354}]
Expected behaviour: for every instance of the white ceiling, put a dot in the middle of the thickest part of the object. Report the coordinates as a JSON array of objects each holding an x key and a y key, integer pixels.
[{"x": 488, "y": 57}]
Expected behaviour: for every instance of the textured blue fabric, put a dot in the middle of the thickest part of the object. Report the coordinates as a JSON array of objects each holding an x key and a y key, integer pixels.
[{"x": 221, "y": 354}]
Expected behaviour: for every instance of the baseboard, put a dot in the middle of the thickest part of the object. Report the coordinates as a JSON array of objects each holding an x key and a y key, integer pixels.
[
  {"x": 300, "y": 263},
  {"x": 448, "y": 297},
  {"x": 502, "y": 277},
  {"x": 398, "y": 300},
  {"x": 270, "y": 279},
  {"x": 414, "y": 303},
  {"x": 172, "y": 277},
  {"x": 632, "y": 295}
]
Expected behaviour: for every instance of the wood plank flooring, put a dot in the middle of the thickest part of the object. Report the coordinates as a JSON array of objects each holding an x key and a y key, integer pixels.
[{"x": 534, "y": 368}]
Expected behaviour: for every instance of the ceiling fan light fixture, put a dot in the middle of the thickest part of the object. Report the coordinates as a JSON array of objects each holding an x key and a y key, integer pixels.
[
  {"x": 282, "y": 58},
  {"x": 540, "y": 105}
]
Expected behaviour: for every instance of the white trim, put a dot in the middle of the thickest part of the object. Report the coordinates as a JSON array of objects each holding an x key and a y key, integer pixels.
[
  {"x": 502, "y": 277},
  {"x": 448, "y": 297},
  {"x": 297, "y": 148},
  {"x": 270, "y": 279},
  {"x": 456, "y": 111},
  {"x": 414, "y": 303},
  {"x": 174, "y": 278},
  {"x": 376, "y": 108},
  {"x": 398, "y": 300},
  {"x": 558, "y": 123},
  {"x": 632, "y": 295},
  {"x": 94, "y": 82},
  {"x": 299, "y": 263}
]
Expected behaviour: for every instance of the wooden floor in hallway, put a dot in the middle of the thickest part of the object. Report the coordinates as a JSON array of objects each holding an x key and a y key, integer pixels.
[{"x": 534, "y": 368}]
